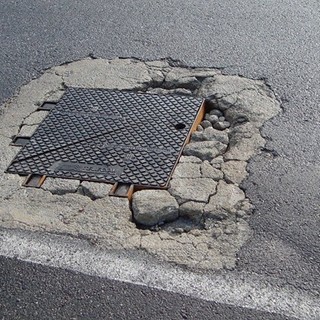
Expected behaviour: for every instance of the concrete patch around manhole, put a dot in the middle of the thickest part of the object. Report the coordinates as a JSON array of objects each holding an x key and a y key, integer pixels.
[{"x": 201, "y": 221}]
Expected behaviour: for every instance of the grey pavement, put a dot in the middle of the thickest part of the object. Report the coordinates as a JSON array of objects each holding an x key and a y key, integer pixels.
[{"x": 279, "y": 42}]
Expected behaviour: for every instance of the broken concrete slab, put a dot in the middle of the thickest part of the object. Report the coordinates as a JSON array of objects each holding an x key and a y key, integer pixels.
[
  {"x": 234, "y": 171},
  {"x": 197, "y": 189}
]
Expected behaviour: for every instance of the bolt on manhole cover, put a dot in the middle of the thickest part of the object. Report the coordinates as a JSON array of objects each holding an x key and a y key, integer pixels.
[{"x": 111, "y": 136}]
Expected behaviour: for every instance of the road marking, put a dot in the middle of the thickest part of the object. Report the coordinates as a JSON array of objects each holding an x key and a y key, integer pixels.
[{"x": 78, "y": 255}]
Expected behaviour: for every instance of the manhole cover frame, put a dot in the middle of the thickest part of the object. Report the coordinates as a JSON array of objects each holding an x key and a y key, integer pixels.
[{"x": 179, "y": 126}]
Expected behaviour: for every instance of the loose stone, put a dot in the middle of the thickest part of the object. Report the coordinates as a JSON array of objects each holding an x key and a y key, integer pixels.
[
  {"x": 216, "y": 112},
  {"x": 213, "y": 118},
  {"x": 206, "y": 124},
  {"x": 222, "y": 118},
  {"x": 221, "y": 125},
  {"x": 199, "y": 128}
]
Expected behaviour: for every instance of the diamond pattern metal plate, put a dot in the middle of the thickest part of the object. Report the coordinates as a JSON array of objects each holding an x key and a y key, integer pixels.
[{"x": 110, "y": 136}]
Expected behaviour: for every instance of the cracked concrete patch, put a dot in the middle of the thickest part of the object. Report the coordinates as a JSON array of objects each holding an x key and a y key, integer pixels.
[{"x": 205, "y": 199}]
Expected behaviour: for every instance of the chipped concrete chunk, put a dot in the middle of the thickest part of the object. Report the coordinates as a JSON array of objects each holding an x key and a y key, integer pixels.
[
  {"x": 198, "y": 189},
  {"x": 187, "y": 170},
  {"x": 234, "y": 171},
  {"x": 205, "y": 150},
  {"x": 224, "y": 201},
  {"x": 151, "y": 207},
  {"x": 60, "y": 186},
  {"x": 241, "y": 148}
]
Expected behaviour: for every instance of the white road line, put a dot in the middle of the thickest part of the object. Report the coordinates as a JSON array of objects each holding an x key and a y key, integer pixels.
[{"x": 78, "y": 255}]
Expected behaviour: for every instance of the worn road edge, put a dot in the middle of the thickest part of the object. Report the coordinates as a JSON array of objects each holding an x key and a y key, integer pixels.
[{"x": 77, "y": 255}]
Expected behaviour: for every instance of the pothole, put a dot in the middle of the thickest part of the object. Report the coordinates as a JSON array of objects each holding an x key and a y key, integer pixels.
[{"x": 201, "y": 221}]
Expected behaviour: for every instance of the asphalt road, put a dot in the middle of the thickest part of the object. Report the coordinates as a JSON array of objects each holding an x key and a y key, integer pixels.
[
  {"x": 38, "y": 292},
  {"x": 276, "y": 41}
]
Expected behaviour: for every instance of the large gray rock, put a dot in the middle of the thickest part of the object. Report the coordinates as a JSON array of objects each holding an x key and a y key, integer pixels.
[
  {"x": 199, "y": 189},
  {"x": 151, "y": 207},
  {"x": 205, "y": 150}
]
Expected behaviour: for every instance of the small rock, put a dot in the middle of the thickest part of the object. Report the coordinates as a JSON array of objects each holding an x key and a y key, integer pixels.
[
  {"x": 151, "y": 207},
  {"x": 221, "y": 125},
  {"x": 222, "y": 118},
  {"x": 217, "y": 135},
  {"x": 208, "y": 171},
  {"x": 199, "y": 128},
  {"x": 206, "y": 124},
  {"x": 216, "y": 112},
  {"x": 213, "y": 118}
]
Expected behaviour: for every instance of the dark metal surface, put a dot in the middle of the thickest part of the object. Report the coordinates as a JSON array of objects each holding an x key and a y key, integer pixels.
[{"x": 110, "y": 136}]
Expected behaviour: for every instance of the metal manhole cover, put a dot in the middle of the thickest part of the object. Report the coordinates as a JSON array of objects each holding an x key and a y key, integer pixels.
[{"x": 110, "y": 136}]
